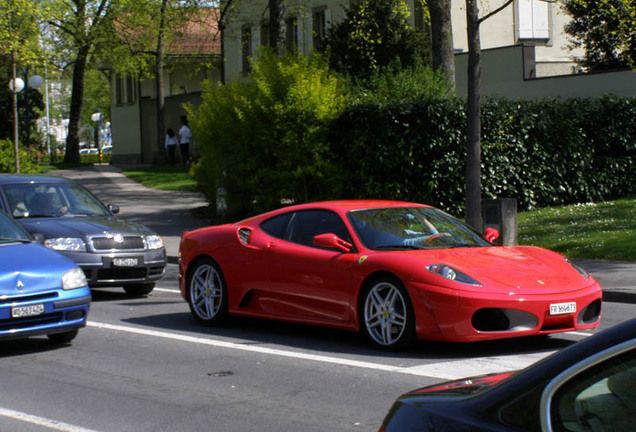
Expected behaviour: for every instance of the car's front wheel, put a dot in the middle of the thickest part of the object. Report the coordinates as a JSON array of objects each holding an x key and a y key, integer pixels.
[
  {"x": 139, "y": 290},
  {"x": 207, "y": 292},
  {"x": 387, "y": 316}
]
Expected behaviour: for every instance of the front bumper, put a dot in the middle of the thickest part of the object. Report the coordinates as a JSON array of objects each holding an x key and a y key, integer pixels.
[
  {"x": 120, "y": 268},
  {"x": 459, "y": 316},
  {"x": 64, "y": 311}
]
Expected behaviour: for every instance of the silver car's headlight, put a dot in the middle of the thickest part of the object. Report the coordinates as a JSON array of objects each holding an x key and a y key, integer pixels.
[
  {"x": 73, "y": 279},
  {"x": 452, "y": 274},
  {"x": 70, "y": 244},
  {"x": 154, "y": 242}
]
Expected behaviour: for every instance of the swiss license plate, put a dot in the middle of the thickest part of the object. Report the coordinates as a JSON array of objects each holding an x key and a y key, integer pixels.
[
  {"x": 27, "y": 311},
  {"x": 562, "y": 308},
  {"x": 125, "y": 262}
]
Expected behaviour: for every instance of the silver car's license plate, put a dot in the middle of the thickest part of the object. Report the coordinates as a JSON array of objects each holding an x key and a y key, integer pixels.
[
  {"x": 562, "y": 308},
  {"x": 27, "y": 311},
  {"x": 125, "y": 262}
]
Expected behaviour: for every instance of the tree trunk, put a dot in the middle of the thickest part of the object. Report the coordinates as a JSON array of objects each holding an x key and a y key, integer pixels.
[
  {"x": 77, "y": 98},
  {"x": 473, "y": 131},
  {"x": 442, "y": 38},
  {"x": 277, "y": 26},
  {"x": 161, "y": 102}
]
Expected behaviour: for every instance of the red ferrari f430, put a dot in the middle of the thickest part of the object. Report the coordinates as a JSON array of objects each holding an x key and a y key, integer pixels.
[{"x": 395, "y": 271}]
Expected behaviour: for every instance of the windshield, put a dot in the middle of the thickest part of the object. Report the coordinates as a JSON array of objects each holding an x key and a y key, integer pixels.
[
  {"x": 31, "y": 200},
  {"x": 10, "y": 231},
  {"x": 412, "y": 228}
]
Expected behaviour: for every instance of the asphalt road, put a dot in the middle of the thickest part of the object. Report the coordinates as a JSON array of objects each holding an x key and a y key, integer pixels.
[{"x": 145, "y": 365}]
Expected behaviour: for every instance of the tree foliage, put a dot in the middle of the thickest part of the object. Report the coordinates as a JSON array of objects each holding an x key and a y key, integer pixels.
[
  {"x": 606, "y": 30},
  {"x": 263, "y": 141},
  {"x": 373, "y": 35}
]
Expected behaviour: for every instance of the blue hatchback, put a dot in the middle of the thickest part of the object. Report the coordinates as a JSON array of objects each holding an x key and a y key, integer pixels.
[{"x": 41, "y": 291}]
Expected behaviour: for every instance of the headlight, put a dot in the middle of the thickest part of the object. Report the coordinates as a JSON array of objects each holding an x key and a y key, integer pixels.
[
  {"x": 73, "y": 279},
  {"x": 452, "y": 274},
  {"x": 70, "y": 244},
  {"x": 154, "y": 242},
  {"x": 582, "y": 272}
]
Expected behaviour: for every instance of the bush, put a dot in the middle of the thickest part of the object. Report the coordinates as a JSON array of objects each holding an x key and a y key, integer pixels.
[
  {"x": 264, "y": 141},
  {"x": 542, "y": 153},
  {"x": 28, "y": 161}
]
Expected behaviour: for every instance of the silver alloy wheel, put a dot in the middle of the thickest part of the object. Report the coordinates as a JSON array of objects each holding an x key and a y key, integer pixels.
[
  {"x": 385, "y": 314},
  {"x": 206, "y": 292}
]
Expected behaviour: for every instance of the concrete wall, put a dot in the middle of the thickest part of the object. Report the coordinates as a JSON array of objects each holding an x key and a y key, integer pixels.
[{"x": 503, "y": 75}]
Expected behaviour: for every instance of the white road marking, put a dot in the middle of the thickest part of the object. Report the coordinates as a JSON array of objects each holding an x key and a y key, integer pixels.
[
  {"x": 41, "y": 421},
  {"x": 167, "y": 290},
  {"x": 444, "y": 370},
  {"x": 575, "y": 333}
]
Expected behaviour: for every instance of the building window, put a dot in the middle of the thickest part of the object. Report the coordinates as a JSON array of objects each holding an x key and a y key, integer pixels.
[
  {"x": 125, "y": 90},
  {"x": 533, "y": 19},
  {"x": 119, "y": 90},
  {"x": 265, "y": 33},
  {"x": 291, "y": 34},
  {"x": 131, "y": 92},
  {"x": 319, "y": 24},
  {"x": 246, "y": 48}
]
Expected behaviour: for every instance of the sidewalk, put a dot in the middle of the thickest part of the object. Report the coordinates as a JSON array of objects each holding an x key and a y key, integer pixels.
[{"x": 169, "y": 214}]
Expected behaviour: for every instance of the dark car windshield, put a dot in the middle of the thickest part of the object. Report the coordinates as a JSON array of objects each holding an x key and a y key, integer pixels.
[
  {"x": 31, "y": 200},
  {"x": 10, "y": 231},
  {"x": 412, "y": 228}
]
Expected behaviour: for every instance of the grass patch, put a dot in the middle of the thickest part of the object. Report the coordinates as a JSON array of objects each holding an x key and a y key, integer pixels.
[
  {"x": 592, "y": 230},
  {"x": 163, "y": 177}
]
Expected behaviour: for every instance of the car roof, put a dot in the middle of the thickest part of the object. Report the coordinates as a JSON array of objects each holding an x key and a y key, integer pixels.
[
  {"x": 338, "y": 206},
  {"x": 29, "y": 178}
]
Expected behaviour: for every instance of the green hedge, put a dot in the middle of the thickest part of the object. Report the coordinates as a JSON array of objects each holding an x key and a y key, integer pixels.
[
  {"x": 542, "y": 153},
  {"x": 28, "y": 161}
]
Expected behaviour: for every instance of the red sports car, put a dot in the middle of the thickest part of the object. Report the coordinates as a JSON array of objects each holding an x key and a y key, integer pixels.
[{"x": 393, "y": 270}]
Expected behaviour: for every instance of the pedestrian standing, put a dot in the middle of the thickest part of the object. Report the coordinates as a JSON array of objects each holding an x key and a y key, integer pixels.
[
  {"x": 171, "y": 145},
  {"x": 185, "y": 137}
]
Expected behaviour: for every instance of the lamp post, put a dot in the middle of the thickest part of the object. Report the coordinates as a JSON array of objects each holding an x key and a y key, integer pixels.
[
  {"x": 17, "y": 85},
  {"x": 97, "y": 118}
]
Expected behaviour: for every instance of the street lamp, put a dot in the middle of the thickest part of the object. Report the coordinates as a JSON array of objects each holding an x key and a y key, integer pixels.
[
  {"x": 97, "y": 118},
  {"x": 17, "y": 85}
]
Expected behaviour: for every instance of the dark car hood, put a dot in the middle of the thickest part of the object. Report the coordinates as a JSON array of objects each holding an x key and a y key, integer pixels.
[
  {"x": 32, "y": 266},
  {"x": 80, "y": 226}
]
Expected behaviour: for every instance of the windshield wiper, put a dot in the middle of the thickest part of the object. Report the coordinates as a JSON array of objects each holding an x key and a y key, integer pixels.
[{"x": 8, "y": 240}]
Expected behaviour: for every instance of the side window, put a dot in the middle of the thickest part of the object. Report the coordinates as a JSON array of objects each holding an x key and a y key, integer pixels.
[
  {"x": 601, "y": 398},
  {"x": 277, "y": 225},
  {"x": 305, "y": 225}
]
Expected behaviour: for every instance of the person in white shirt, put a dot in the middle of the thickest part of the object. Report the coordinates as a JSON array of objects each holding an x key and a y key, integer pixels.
[
  {"x": 185, "y": 137},
  {"x": 171, "y": 145}
]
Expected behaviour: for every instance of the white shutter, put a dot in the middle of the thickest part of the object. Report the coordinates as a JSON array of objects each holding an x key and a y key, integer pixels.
[
  {"x": 525, "y": 19},
  {"x": 541, "y": 20},
  {"x": 534, "y": 19}
]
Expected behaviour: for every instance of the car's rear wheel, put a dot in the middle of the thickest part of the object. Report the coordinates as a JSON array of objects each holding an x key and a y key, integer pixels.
[
  {"x": 138, "y": 290},
  {"x": 207, "y": 292},
  {"x": 62, "y": 338},
  {"x": 387, "y": 316}
]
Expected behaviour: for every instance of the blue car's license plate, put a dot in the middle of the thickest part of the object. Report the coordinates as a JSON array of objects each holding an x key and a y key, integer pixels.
[{"x": 27, "y": 311}]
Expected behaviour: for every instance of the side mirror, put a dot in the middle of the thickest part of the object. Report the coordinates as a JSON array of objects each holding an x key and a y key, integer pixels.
[
  {"x": 332, "y": 241},
  {"x": 38, "y": 238},
  {"x": 114, "y": 209},
  {"x": 491, "y": 234}
]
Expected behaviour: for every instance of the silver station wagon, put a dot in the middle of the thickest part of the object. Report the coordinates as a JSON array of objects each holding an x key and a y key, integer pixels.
[{"x": 66, "y": 217}]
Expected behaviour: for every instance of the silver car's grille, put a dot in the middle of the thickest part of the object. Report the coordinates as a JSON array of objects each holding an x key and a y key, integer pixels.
[{"x": 110, "y": 243}]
